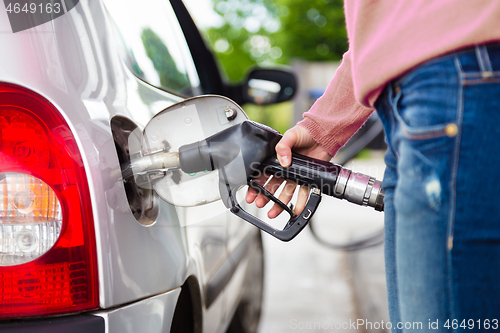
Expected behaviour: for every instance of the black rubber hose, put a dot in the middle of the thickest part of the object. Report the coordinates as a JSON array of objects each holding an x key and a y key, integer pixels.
[{"x": 363, "y": 243}]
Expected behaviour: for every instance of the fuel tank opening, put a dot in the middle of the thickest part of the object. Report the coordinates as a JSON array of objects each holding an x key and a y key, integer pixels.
[{"x": 143, "y": 200}]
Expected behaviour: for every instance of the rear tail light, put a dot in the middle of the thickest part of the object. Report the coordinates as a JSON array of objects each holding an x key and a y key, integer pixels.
[
  {"x": 47, "y": 245},
  {"x": 31, "y": 218}
]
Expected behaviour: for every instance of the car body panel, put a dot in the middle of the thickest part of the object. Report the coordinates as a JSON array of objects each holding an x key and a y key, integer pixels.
[
  {"x": 152, "y": 315},
  {"x": 87, "y": 106},
  {"x": 72, "y": 62},
  {"x": 88, "y": 101}
]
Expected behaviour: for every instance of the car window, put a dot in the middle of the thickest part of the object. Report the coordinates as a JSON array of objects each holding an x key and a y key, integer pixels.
[{"x": 151, "y": 44}]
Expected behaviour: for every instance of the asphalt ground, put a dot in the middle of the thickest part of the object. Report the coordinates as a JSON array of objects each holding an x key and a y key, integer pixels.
[{"x": 312, "y": 288}]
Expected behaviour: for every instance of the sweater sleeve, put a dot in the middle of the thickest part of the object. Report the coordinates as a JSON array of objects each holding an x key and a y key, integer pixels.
[{"x": 336, "y": 115}]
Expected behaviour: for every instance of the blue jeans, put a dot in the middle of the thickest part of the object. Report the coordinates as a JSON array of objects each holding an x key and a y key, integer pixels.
[{"x": 442, "y": 186}]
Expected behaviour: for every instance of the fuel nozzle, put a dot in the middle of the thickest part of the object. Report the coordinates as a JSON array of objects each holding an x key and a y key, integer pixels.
[
  {"x": 242, "y": 153},
  {"x": 220, "y": 150}
]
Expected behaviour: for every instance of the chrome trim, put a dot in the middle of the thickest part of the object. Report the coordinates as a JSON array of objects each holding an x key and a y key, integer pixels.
[{"x": 341, "y": 183}]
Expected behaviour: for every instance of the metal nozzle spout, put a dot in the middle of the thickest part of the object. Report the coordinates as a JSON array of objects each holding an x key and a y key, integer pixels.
[
  {"x": 363, "y": 190},
  {"x": 148, "y": 163},
  {"x": 157, "y": 161}
]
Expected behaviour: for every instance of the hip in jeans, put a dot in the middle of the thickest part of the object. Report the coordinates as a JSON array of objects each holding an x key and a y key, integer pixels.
[{"x": 442, "y": 218}]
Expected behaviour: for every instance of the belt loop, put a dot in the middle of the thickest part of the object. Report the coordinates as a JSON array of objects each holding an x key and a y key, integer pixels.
[{"x": 484, "y": 61}]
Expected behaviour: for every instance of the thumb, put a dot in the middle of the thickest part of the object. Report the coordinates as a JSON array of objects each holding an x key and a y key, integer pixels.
[{"x": 285, "y": 145}]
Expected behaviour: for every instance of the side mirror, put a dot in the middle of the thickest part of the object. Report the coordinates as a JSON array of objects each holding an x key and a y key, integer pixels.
[{"x": 267, "y": 86}]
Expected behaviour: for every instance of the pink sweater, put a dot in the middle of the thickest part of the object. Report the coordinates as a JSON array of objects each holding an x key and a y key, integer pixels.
[{"x": 386, "y": 39}]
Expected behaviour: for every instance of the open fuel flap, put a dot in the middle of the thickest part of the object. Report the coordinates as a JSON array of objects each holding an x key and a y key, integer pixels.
[{"x": 191, "y": 120}]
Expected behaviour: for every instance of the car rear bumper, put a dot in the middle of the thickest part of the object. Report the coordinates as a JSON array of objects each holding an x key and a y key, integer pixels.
[
  {"x": 152, "y": 315},
  {"x": 74, "y": 324}
]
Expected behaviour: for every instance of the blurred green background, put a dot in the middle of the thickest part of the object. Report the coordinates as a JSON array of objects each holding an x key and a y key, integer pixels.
[{"x": 268, "y": 33}]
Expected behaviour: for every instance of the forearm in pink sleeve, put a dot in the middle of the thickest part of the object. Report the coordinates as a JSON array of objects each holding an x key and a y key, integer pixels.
[{"x": 336, "y": 115}]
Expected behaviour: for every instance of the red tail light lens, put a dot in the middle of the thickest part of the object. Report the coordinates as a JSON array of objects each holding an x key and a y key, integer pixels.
[{"x": 47, "y": 245}]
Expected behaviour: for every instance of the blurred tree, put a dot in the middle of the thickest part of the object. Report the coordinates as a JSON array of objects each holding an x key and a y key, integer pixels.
[
  {"x": 266, "y": 32},
  {"x": 312, "y": 30},
  {"x": 244, "y": 39},
  {"x": 228, "y": 42}
]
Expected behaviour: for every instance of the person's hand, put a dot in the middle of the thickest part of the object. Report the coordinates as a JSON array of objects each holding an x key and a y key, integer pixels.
[{"x": 301, "y": 141}]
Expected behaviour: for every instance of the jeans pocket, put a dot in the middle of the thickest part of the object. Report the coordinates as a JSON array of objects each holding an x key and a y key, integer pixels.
[
  {"x": 425, "y": 105},
  {"x": 427, "y": 132}
]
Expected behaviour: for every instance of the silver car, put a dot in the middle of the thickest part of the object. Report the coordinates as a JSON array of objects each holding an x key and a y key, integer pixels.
[{"x": 82, "y": 248}]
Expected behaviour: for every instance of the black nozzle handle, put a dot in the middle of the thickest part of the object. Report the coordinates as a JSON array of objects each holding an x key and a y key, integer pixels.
[
  {"x": 331, "y": 179},
  {"x": 307, "y": 171}
]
